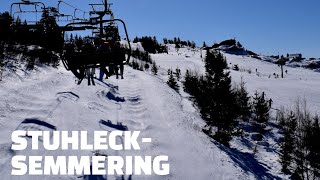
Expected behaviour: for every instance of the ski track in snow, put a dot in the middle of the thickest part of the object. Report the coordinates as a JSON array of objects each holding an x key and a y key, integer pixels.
[{"x": 140, "y": 102}]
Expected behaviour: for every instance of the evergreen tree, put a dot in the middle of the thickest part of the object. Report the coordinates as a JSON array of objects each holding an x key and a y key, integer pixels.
[
  {"x": 154, "y": 68},
  {"x": 71, "y": 38},
  {"x": 52, "y": 37},
  {"x": 239, "y": 45},
  {"x": 172, "y": 81},
  {"x": 5, "y": 26},
  {"x": 204, "y": 44},
  {"x": 146, "y": 66},
  {"x": 243, "y": 102},
  {"x": 177, "y": 47},
  {"x": 178, "y": 74},
  {"x": 18, "y": 21},
  {"x": 314, "y": 147},
  {"x": 302, "y": 133},
  {"x": 221, "y": 97},
  {"x": 261, "y": 108},
  {"x": 288, "y": 144},
  {"x": 189, "y": 43},
  {"x": 192, "y": 84},
  {"x": 165, "y": 41},
  {"x": 193, "y": 45}
]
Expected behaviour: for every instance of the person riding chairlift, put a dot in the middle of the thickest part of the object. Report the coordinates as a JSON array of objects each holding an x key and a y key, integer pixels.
[
  {"x": 119, "y": 55},
  {"x": 89, "y": 50},
  {"x": 104, "y": 50}
]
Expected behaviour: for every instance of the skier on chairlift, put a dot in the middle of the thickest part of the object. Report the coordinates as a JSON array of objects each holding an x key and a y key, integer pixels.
[
  {"x": 88, "y": 49},
  {"x": 119, "y": 55},
  {"x": 104, "y": 51}
]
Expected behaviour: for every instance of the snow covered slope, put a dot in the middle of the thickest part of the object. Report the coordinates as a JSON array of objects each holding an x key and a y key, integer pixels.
[
  {"x": 49, "y": 99},
  {"x": 298, "y": 82}
]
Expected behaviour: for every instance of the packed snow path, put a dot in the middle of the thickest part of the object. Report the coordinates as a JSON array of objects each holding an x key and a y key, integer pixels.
[{"x": 50, "y": 100}]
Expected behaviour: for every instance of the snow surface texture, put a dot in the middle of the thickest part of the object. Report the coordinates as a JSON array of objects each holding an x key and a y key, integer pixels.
[
  {"x": 145, "y": 103},
  {"x": 141, "y": 102}
]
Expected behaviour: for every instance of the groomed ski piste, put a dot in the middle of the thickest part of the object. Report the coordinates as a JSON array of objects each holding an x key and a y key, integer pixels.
[{"x": 49, "y": 99}]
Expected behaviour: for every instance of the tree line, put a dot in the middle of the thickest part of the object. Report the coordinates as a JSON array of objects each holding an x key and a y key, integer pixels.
[
  {"x": 299, "y": 148},
  {"x": 16, "y": 36},
  {"x": 151, "y": 44},
  {"x": 179, "y": 43},
  {"x": 223, "y": 106}
]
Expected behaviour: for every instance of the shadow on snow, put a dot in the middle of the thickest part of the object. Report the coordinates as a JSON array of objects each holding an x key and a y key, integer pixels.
[{"x": 247, "y": 162}]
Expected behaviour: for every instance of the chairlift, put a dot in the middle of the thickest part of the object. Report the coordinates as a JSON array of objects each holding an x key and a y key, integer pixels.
[
  {"x": 30, "y": 24},
  {"x": 69, "y": 18},
  {"x": 26, "y": 3},
  {"x": 78, "y": 62},
  {"x": 106, "y": 31}
]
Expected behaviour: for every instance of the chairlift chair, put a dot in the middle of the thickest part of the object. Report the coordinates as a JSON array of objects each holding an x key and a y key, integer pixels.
[{"x": 78, "y": 62}]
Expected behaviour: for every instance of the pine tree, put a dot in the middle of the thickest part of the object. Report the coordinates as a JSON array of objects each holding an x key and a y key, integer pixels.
[
  {"x": 314, "y": 147},
  {"x": 193, "y": 45},
  {"x": 178, "y": 74},
  {"x": 191, "y": 83},
  {"x": 18, "y": 21},
  {"x": 5, "y": 26},
  {"x": 154, "y": 68},
  {"x": 146, "y": 66},
  {"x": 260, "y": 109},
  {"x": 204, "y": 44},
  {"x": 288, "y": 144},
  {"x": 222, "y": 98},
  {"x": 165, "y": 41},
  {"x": 172, "y": 81},
  {"x": 50, "y": 32},
  {"x": 243, "y": 102},
  {"x": 71, "y": 38}
]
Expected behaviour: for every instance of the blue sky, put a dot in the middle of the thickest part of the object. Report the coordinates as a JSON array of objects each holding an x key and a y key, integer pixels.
[{"x": 268, "y": 27}]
